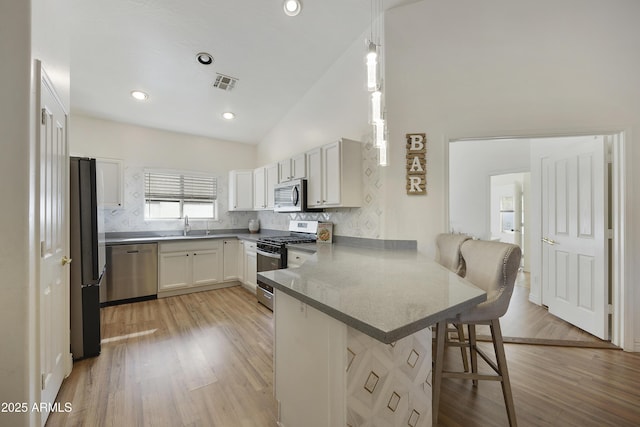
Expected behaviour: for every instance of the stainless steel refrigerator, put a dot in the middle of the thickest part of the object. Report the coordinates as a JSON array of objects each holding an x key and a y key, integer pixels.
[{"x": 88, "y": 255}]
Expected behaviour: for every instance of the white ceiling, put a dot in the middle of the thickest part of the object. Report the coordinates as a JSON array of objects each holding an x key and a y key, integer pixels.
[{"x": 150, "y": 45}]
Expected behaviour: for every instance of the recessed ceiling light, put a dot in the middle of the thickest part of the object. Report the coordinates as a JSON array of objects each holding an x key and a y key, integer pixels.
[
  {"x": 204, "y": 58},
  {"x": 139, "y": 95},
  {"x": 292, "y": 7},
  {"x": 228, "y": 115}
]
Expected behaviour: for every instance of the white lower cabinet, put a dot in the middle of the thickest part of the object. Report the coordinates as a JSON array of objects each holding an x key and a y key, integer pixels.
[
  {"x": 230, "y": 270},
  {"x": 250, "y": 266},
  {"x": 190, "y": 266},
  {"x": 240, "y": 256}
]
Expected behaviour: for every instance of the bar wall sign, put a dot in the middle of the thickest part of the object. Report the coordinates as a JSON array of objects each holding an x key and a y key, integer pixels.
[{"x": 416, "y": 163}]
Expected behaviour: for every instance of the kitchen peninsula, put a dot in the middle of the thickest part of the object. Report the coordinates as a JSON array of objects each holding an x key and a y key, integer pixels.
[{"x": 352, "y": 336}]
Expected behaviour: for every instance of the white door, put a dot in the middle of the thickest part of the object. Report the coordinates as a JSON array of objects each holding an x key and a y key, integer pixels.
[
  {"x": 54, "y": 245},
  {"x": 575, "y": 232}
]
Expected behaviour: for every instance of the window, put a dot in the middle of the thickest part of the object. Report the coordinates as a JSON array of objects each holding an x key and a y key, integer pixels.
[{"x": 174, "y": 195}]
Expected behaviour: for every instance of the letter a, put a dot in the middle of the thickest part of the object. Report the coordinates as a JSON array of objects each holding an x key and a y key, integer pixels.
[{"x": 416, "y": 166}]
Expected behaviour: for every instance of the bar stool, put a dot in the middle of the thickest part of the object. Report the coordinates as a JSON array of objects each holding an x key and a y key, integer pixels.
[
  {"x": 448, "y": 255},
  {"x": 492, "y": 266}
]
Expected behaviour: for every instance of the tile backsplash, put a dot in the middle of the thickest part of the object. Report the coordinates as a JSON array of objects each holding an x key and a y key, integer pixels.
[{"x": 365, "y": 221}]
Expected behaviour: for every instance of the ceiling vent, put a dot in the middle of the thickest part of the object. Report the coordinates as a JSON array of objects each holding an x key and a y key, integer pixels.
[{"x": 225, "y": 82}]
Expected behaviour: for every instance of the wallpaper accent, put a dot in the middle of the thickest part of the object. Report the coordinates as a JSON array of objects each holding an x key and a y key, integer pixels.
[
  {"x": 131, "y": 217},
  {"x": 389, "y": 385},
  {"x": 365, "y": 221}
]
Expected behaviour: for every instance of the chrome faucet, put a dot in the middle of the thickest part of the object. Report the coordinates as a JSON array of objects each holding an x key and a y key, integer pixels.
[{"x": 187, "y": 227}]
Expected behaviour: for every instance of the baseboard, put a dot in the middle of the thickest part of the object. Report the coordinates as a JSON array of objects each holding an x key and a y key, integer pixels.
[
  {"x": 534, "y": 299},
  {"x": 553, "y": 343},
  {"x": 636, "y": 347}
]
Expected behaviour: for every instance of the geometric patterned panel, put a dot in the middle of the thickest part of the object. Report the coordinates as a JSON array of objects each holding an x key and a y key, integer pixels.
[{"x": 388, "y": 385}]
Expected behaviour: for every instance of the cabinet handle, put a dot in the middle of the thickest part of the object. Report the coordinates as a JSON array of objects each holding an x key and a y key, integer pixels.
[{"x": 317, "y": 201}]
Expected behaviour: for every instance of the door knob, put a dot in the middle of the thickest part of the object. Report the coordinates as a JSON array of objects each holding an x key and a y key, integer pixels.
[
  {"x": 66, "y": 260},
  {"x": 548, "y": 241}
]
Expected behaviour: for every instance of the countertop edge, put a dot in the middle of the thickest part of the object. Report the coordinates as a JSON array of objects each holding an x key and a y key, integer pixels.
[{"x": 388, "y": 337}]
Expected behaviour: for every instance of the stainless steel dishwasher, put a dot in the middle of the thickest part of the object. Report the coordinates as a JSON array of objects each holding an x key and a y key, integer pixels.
[{"x": 132, "y": 273}]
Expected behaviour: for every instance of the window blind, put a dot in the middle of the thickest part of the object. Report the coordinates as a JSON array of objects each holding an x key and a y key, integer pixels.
[{"x": 179, "y": 187}]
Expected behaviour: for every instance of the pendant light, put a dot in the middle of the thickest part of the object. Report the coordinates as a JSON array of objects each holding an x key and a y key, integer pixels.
[{"x": 374, "y": 83}]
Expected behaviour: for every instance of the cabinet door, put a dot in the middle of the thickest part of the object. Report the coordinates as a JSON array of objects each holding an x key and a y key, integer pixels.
[
  {"x": 314, "y": 177},
  {"x": 259, "y": 201},
  {"x": 230, "y": 270},
  {"x": 299, "y": 166},
  {"x": 271, "y": 177},
  {"x": 207, "y": 267},
  {"x": 331, "y": 174},
  {"x": 241, "y": 190},
  {"x": 284, "y": 170},
  {"x": 110, "y": 181},
  {"x": 175, "y": 271},
  {"x": 240, "y": 258},
  {"x": 250, "y": 265}
]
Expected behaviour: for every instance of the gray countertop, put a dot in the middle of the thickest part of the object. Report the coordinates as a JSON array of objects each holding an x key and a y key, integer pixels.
[
  {"x": 385, "y": 294},
  {"x": 134, "y": 238}
]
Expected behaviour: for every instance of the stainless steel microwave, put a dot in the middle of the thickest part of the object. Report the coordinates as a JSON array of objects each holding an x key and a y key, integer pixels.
[{"x": 291, "y": 196}]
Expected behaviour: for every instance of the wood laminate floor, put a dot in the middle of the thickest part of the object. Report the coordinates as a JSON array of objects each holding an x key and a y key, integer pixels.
[
  {"x": 526, "y": 322},
  {"x": 206, "y": 359}
]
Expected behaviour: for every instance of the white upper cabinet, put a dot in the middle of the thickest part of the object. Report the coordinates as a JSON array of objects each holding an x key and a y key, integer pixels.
[
  {"x": 264, "y": 181},
  {"x": 334, "y": 175},
  {"x": 241, "y": 190},
  {"x": 293, "y": 168},
  {"x": 259, "y": 189},
  {"x": 109, "y": 173}
]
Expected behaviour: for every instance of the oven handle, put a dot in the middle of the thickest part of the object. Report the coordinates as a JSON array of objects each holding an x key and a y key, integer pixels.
[{"x": 267, "y": 254}]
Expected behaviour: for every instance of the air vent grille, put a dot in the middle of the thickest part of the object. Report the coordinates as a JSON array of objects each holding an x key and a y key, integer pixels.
[{"x": 225, "y": 82}]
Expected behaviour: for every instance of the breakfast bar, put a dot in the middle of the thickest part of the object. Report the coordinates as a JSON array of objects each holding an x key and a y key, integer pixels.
[{"x": 352, "y": 336}]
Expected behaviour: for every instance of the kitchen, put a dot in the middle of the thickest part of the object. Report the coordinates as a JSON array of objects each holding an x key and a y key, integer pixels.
[{"x": 486, "y": 92}]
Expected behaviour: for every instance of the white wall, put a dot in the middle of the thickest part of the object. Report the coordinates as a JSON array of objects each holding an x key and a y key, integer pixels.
[
  {"x": 140, "y": 148},
  {"x": 471, "y": 165},
  {"x": 29, "y": 30},
  {"x": 464, "y": 68}
]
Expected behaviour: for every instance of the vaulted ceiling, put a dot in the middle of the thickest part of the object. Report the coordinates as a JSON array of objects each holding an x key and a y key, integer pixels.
[{"x": 151, "y": 45}]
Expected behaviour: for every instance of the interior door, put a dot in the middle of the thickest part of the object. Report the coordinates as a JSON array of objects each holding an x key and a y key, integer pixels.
[
  {"x": 575, "y": 233},
  {"x": 54, "y": 245}
]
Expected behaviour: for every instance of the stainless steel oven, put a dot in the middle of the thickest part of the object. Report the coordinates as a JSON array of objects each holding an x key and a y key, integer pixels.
[{"x": 270, "y": 256}]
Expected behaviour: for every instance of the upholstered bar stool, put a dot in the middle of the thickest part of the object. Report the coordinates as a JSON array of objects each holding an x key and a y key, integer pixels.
[
  {"x": 492, "y": 266},
  {"x": 448, "y": 255}
]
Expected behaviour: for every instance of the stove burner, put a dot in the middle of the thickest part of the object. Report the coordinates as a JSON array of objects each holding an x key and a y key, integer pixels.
[{"x": 291, "y": 239}]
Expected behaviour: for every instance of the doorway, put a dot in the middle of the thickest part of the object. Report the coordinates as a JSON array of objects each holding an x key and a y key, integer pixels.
[
  {"x": 478, "y": 160},
  {"x": 509, "y": 205}
]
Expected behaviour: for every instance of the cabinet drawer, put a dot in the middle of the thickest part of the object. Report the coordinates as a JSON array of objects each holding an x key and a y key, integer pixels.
[{"x": 191, "y": 245}]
